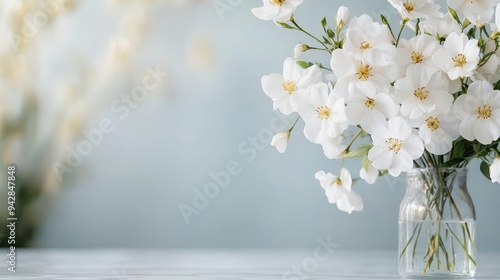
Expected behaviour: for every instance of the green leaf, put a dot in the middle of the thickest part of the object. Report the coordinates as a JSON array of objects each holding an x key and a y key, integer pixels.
[
  {"x": 360, "y": 151},
  {"x": 284, "y": 25},
  {"x": 330, "y": 33},
  {"x": 325, "y": 40},
  {"x": 471, "y": 32},
  {"x": 466, "y": 23},
  {"x": 454, "y": 14},
  {"x": 481, "y": 42},
  {"x": 452, "y": 162},
  {"x": 323, "y": 22},
  {"x": 384, "y": 19},
  {"x": 459, "y": 149},
  {"x": 485, "y": 169},
  {"x": 363, "y": 134},
  {"x": 477, "y": 147},
  {"x": 304, "y": 64}
]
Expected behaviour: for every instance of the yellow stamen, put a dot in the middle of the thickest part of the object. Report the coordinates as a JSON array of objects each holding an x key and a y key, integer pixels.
[
  {"x": 365, "y": 45},
  {"x": 460, "y": 60},
  {"x": 394, "y": 144},
  {"x": 409, "y": 6},
  {"x": 432, "y": 123},
  {"x": 421, "y": 93},
  {"x": 484, "y": 112},
  {"x": 370, "y": 103},
  {"x": 364, "y": 72},
  {"x": 323, "y": 112},
  {"x": 337, "y": 181},
  {"x": 417, "y": 57},
  {"x": 289, "y": 86},
  {"x": 277, "y": 2}
]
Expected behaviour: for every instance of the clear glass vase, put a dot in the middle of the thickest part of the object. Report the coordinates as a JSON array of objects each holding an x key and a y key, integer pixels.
[{"x": 437, "y": 225}]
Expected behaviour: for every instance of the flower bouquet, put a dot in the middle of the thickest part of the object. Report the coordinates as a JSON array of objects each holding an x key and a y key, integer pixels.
[{"x": 426, "y": 104}]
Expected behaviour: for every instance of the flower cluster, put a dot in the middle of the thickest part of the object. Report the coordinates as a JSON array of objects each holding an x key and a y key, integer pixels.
[{"x": 431, "y": 100}]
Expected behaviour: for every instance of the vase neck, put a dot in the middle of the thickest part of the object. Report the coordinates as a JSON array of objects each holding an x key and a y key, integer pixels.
[{"x": 440, "y": 194}]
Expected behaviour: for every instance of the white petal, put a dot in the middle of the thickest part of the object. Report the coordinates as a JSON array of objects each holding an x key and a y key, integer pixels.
[
  {"x": 334, "y": 193},
  {"x": 385, "y": 104},
  {"x": 350, "y": 202},
  {"x": 310, "y": 76},
  {"x": 402, "y": 163},
  {"x": 495, "y": 170},
  {"x": 380, "y": 156},
  {"x": 266, "y": 12},
  {"x": 320, "y": 175},
  {"x": 370, "y": 174},
  {"x": 486, "y": 131},
  {"x": 280, "y": 141},
  {"x": 345, "y": 178},
  {"x": 467, "y": 126},
  {"x": 400, "y": 128},
  {"x": 414, "y": 146},
  {"x": 342, "y": 63},
  {"x": 314, "y": 132},
  {"x": 333, "y": 148},
  {"x": 272, "y": 86}
]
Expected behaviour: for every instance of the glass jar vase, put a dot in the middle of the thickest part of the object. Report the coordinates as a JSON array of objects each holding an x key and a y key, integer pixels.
[{"x": 437, "y": 225}]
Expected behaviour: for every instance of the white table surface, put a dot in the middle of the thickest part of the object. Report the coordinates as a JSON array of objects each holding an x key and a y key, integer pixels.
[{"x": 213, "y": 264}]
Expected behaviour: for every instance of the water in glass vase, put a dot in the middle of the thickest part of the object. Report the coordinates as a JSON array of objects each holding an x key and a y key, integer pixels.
[{"x": 437, "y": 248}]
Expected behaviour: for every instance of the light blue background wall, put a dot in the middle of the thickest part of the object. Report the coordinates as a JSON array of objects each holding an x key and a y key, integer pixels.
[{"x": 127, "y": 192}]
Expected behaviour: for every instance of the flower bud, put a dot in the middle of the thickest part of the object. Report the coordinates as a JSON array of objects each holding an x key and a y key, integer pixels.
[
  {"x": 342, "y": 17},
  {"x": 299, "y": 50},
  {"x": 280, "y": 141}
]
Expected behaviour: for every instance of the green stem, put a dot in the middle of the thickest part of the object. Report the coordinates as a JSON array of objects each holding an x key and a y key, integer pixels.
[
  {"x": 318, "y": 49},
  {"x": 462, "y": 245},
  {"x": 294, "y": 124},
  {"x": 437, "y": 194},
  {"x": 354, "y": 139},
  {"x": 309, "y": 34},
  {"x": 401, "y": 31}
]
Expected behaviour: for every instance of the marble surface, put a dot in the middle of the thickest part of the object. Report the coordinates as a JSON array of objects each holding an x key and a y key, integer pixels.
[{"x": 216, "y": 264}]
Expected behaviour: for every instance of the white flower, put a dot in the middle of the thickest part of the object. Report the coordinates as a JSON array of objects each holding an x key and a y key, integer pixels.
[
  {"x": 479, "y": 12},
  {"x": 438, "y": 132},
  {"x": 299, "y": 50},
  {"x": 277, "y": 10},
  {"x": 280, "y": 140},
  {"x": 417, "y": 50},
  {"x": 479, "y": 112},
  {"x": 458, "y": 57},
  {"x": 349, "y": 70},
  {"x": 323, "y": 114},
  {"x": 423, "y": 90},
  {"x": 338, "y": 190},
  {"x": 411, "y": 9},
  {"x": 495, "y": 27},
  {"x": 342, "y": 17},
  {"x": 395, "y": 146},
  {"x": 285, "y": 90},
  {"x": 440, "y": 26},
  {"x": 369, "y": 40},
  {"x": 333, "y": 148},
  {"x": 495, "y": 170},
  {"x": 368, "y": 173},
  {"x": 368, "y": 108}
]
